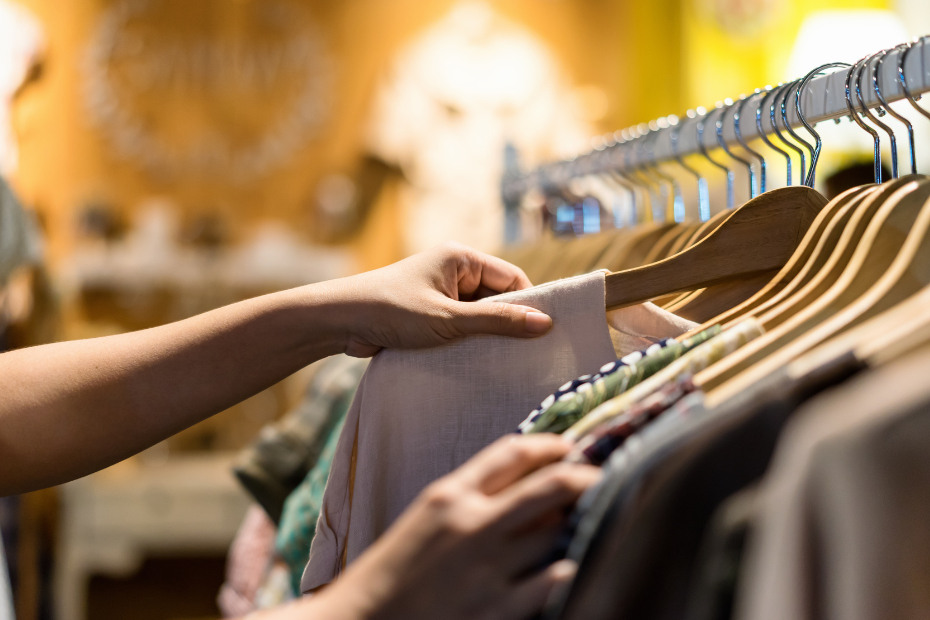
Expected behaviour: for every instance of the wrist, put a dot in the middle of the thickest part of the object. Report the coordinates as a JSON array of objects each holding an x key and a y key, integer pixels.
[{"x": 333, "y": 312}]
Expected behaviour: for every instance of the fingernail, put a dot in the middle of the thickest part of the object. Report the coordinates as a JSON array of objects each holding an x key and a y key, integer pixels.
[{"x": 537, "y": 323}]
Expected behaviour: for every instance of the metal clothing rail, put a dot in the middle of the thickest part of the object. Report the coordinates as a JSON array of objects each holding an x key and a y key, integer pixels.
[{"x": 823, "y": 98}]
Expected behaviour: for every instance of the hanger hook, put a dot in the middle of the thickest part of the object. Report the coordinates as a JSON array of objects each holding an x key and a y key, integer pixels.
[
  {"x": 624, "y": 170},
  {"x": 718, "y": 127},
  {"x": 792, "y": 132},
  {"x": 703, "y": 196},
  {"x": 743, "y": 100},
  {"x": 907, "y": 91},
  {"x": 877, "y": 151},
  {"x": 616, "y": 160},
  {"x": 783, "y": 96},
  {"x": 873, "y": 118},
  {"x": 678, "y": 201},
  {"x": 639, "y": 169},
  {"x": 876, "y": 78},
  {"x": 769, "y": 91},
  {"x": 818, "y": 143},
  {"x": 703, "y": 148},
  {"x": 651, "y": 166}
]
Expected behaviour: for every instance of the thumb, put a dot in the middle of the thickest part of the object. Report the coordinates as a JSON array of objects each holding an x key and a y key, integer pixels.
[{"x": 499, "y": 319}]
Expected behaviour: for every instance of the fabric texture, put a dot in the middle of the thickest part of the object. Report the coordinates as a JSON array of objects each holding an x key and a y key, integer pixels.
[
  {"x": 595, "y": 447},
  {"x": 692, "y": 362},
  {"x": 640, "y": 532},
  {"x": 842, "y": 531},
  {"x": 558, "y": 413},
  {"x": 420, "y": 414},
  {"x": 285, "y": 452},
  {"x": 247, "y": 563},
  {"x": 302, "y": 509},
  {"x": 635, "y": 328},
  {"x": 574, "y": 399}
]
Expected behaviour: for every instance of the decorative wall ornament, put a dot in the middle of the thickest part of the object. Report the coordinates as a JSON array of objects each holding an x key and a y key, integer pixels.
[{"x": 210, "y": 89}]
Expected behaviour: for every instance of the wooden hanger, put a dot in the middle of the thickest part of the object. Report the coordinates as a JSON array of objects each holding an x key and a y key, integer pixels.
[
  {"x": 676, "y": 302},
  {"x": 713, "y": 299},
  {"x": 682, "y": 242},
  {"x": 705, "y": 304},
  {"x": 760, "y": 236},
  {"x": 878, "y": 254},
  {"x": 887, "y": 336},
  {"x": 663, "y": 246},
  {"x": 702, "y": 231},
  {"x": 633, "y": 253},
  {"x": 814, "y": 250}
]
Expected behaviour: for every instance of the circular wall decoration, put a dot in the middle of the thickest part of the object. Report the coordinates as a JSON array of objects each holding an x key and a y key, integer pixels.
[{"x": 212, "y": 89}]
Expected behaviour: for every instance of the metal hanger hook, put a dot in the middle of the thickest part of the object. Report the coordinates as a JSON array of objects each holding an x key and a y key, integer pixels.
[
  {"x": 784, "y": 115},
  {"x": 877, "y": 151},
  {"x": 876, "y": 75},
  {"x": 873, "y": 118},
  {"x": 907, "y": 91},
  {"x": 743, "y": 100},
  {"x": 724, "y": 106},
  {"x": 703, "y": 197},
  {"x": 703, "y": 149},
  {"x": 780, "y": 104},
  {"x": 769, "y": 91},
  {"x": 818, "y": 143}
]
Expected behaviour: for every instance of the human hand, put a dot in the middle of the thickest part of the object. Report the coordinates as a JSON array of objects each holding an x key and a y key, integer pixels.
[
  {"x": 424, "y": 301},
  {"x": 469, "y": 547}
]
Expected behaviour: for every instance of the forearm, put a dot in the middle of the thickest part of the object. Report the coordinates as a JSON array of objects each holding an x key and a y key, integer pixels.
[{"x": 71, "y": 408}]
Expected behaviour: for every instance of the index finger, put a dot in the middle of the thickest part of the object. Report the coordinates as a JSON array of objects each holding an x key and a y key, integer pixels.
[
  {"x": 511, "y": 458},
  {"x": 477, "y": 270}
]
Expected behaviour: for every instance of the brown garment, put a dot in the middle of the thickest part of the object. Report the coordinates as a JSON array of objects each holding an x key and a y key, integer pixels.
[{"x": 843, "y": 531}]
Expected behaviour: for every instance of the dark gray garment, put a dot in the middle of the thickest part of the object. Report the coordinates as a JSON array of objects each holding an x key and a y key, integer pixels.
[
  {"x": 844, "y": 530},
  {"x": 719, "y": 563},
  {"x": 639, "y": 534}
]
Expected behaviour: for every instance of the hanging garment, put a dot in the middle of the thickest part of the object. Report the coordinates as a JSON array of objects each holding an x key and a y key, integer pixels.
[
  {"x": 6, "y": 592},
  {"x": 576, "y": 399},
  {"x": 595, "y": 447},
  {"x": 638, "y": 327},
  {"x": 247, "y": 564},
  {"x": 640, "y": 531},
  {"x": 20, "y": 242},
  {"x": 713, "y": 591},
  {"x": 302, "y": 509},
  {"x": 279, "y": 460},
  {"x": 420, "y": 414},
  {"x": 570, "y": 397},
  {"x": 696, "y": 360},
  {"x": 842, "y": 531}
]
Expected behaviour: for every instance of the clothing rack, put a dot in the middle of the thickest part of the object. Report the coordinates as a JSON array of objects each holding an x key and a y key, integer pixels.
[{"x": 823, "y": 98}]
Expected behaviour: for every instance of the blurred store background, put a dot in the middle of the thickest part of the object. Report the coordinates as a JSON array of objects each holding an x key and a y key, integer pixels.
[{"x": 178, "y": 155}]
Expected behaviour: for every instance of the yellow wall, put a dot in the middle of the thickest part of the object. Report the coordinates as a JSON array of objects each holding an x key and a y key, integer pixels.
[{"x": 718, "y": 63}]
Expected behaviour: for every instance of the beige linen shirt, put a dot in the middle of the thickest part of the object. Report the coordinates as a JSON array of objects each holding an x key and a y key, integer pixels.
[{"x": 419, "y": 414}]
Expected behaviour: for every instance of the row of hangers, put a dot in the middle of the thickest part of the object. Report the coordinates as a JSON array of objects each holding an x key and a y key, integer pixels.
[{"x": 852, "y": 272}]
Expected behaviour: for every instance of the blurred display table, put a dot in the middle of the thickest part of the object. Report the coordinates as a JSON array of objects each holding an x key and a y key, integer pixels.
[{"x": 112, "y": 520}]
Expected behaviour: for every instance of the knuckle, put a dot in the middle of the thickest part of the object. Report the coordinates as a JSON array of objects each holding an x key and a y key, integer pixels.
[
  {"x": 502, "y": 314},
  {"x": 563, "y": 478},
  {"x": 453, "y": 248},
  {"x": 523, "y": 452},
  {"x": 464, "y": 524},
  {"x": 441, "y": 496}
]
